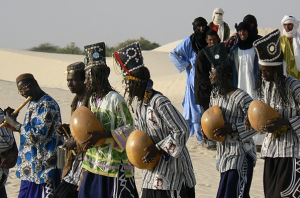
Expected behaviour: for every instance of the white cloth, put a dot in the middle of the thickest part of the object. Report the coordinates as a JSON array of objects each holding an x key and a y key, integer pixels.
[
  {"x": 295, "y": 35},
  {"x": 218, "y": 20},
  {"x": 246, "y": 79}
]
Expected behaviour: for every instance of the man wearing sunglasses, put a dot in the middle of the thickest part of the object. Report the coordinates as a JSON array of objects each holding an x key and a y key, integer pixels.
[{"x": 36, "y": 165}]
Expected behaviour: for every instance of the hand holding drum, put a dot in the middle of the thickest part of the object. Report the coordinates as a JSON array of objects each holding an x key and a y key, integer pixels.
[
  {"x": 84, "y": 121},
  {"x": 259, "y": 113},
  {"x": 211, "y": 120},
  {"x": 135, "y": 149}
]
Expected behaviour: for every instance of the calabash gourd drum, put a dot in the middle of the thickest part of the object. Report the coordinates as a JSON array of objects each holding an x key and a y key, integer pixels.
[
  {"x": 136, "y": 143},
  {"x": 212, "y": 119},
  {"x": 259, "y": 113},
  {"x": 82, "y": 121}
]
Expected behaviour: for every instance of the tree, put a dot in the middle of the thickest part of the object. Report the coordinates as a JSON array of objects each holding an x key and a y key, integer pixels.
[
  {"x": 45, "y": 47},
  {"x": 70, "y": 49}
]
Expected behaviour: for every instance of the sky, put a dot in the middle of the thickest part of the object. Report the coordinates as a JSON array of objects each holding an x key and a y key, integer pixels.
[{"x": 28, "y": 23}]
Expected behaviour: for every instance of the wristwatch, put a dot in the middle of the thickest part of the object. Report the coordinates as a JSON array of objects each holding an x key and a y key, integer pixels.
[{"x": 234, "y": 128}]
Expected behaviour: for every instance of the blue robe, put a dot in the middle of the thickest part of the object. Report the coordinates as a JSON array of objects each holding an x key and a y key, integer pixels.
[{"x": 183, "y": 56}]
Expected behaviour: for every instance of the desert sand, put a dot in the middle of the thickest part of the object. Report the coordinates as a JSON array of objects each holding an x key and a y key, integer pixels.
[{"x": 49, "y": 71}]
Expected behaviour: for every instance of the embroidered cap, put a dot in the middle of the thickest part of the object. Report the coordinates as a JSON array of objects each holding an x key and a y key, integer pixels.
[
  {"x": 95, "y": 55},
  {"x": 269, "y": 50},
  {"x": 75, "y": 67},
  {"x": 129, "y": 57},
  {"x": 216, "y": 54}
]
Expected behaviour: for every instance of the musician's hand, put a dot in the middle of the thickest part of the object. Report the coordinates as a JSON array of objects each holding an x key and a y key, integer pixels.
[
  {"x": 10, "y": 119},
  {"x": 224, "y": 130},
  {"x": 94, "y": 138},
  {"x": 10, "y": 110},
  {"x": 64, "y": 130},
  {"x": 203, "y": 136},
  {"x": 11, "y": 128},
  {"x": 275, "y": 124},
  {"x": 152, "y": 153},
  {"x": 247, "y": 123},
  {"x": 70, "y": 144}
]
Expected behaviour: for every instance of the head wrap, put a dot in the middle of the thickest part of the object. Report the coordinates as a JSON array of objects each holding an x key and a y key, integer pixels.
[
  {"x": 199, "y": 21},
  {"x": 268, "y": 49},
  {"x": 250, "y": 19},
  {"x": 198, "y": 39},
  {"x": 242, "y": 26},
  {"x": 290, "y": 19},
  {"x": 78, "y": 66},
  {"x": 24, "y": 77},
  {"x": 217, "y": 18}
]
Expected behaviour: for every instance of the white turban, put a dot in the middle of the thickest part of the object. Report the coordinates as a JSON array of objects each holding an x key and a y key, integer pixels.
[
  {"x": 295, "y": 35},
  {"x": 218, "y": 20},
  {"x": 290, "y": 19}
]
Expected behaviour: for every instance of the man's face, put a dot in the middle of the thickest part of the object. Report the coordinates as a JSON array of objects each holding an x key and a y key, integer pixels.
[
  {"x": 202, "y": 28},
  {"x": 243, "y": 34},
  {"x": 75, "y": 83},
  {"x": 212, "y": 40},
  {"x": 267, "y": 73},
  {"x": 213, "y": 76},
  {"x": 25, "y": 88},
  {"x": 288, "y": 27}
]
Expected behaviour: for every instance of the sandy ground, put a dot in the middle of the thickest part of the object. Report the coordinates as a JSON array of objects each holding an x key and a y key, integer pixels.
[{"x": 203, "y": 160}]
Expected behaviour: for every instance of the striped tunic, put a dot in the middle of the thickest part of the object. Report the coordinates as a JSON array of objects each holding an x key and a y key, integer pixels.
[
  {"x": 286, "y": 145},
  {"x": 6, "y": 142},
  {"x": 232, "y": 152},
  {"x": 168, "y": 129}
]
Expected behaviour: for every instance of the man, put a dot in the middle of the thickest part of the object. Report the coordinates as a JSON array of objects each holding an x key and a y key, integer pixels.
[
  {"x": 202, "y": 82},
  {"x": 183, "y": 57},
  {"x": 244, "y": 60},
  {"x": 108, "y": 170},
  {"x": 236, "y": 156},
  {"x": 36, "y": 165},
  {"x": 72, "y": 172},
  {"x": 290, "y": 45},
  {"x": 281, "y": 147},
  {"x": 173, "y": 176},
  {"x": 219, "y": 25},
  {"x": 7, "y": 142},
  {"x": 202, "y": 69},
  {"x": 251, "y": 20}
]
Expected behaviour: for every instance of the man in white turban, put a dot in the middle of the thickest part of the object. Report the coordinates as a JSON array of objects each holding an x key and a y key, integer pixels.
[
  {"x": 290, "y": 45},
  {"x": 219, "y": 25}
]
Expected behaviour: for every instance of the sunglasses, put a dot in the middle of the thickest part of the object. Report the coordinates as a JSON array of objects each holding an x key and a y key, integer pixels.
[{"x": 24, "y": 89}]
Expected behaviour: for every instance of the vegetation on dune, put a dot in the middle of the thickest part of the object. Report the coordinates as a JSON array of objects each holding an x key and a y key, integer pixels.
[{"x": 72, "y": 48}]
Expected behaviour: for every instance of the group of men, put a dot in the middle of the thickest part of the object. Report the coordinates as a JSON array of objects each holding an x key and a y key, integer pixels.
[
  {"x": 231, "y": 74},
  {"x": 222, "y": 71}
]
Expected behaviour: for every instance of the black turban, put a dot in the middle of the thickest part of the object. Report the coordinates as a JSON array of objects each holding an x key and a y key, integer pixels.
[{"x": 199, "y": 21}]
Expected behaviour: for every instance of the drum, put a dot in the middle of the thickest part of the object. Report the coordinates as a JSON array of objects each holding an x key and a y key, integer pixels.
[
  {"x": 212, "y": 119},
  {"x": 82, "y": 121},
  {"x": 136, "y": 143},
  {"x": 259, "y": 113}
]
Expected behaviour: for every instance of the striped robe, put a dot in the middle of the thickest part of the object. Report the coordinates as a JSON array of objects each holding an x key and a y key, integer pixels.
[
  {"x": 6, "y": 142},
  {"x": 169, "y": 130},
  {"x": 232, "y": 152},
  {"x": 286, "y": 145}
]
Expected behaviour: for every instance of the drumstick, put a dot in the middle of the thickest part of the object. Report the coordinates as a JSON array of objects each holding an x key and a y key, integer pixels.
[{"x": 18, "y": 109}]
